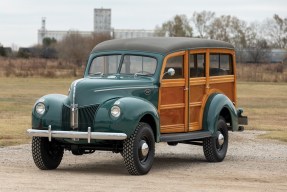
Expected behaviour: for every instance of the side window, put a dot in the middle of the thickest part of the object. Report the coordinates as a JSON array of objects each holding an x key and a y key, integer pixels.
[
  {"x": 177, "y": 64},
  {"x": 197, "y": 65},
  {"x": 220, "y": 64}
]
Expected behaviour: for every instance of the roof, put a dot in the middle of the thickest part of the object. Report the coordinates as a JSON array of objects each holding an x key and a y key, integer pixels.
[{"x": 161, "y": 45}]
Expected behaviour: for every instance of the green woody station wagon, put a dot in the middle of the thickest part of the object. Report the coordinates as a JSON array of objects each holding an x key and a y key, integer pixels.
[{"x": 138, "y": 92}]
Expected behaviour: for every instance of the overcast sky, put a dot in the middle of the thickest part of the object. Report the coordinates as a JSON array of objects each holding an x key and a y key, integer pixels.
[{"x": 20, "y": 19}]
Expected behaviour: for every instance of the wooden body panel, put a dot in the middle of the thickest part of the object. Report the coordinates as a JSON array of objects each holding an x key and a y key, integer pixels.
[{"x": 182, "y": 101}]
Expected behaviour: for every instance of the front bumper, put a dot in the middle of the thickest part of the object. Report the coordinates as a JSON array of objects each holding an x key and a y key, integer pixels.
[{"x": 76, "y": 135}]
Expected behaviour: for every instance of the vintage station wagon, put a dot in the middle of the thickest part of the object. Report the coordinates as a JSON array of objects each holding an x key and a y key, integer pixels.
[{"x": 136, "y": 92}]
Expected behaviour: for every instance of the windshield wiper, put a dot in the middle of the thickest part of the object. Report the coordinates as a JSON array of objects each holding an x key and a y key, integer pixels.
[
  {"x": 97, "y": 73},
  {"x": 142, "y": 74}
]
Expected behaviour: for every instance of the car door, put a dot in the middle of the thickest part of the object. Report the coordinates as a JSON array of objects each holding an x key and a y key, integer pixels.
[
  {"x": 198, "y": 87},
  {"x": 173, "y": 96}
]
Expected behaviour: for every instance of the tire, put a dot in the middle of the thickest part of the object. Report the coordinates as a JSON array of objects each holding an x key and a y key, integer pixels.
[
  {"x": 213, "y": 150},
  {"x": 137, "y": 160},
  {"x": 46, "y": 155}
]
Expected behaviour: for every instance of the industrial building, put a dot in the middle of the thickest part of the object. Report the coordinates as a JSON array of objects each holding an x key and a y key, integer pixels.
[{"x": 102, "y": 24}]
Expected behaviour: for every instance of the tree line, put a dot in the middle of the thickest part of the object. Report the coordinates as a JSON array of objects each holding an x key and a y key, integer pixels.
[
  {"x": 256, "y": 37},
  {"x": 272, "y": 32}
]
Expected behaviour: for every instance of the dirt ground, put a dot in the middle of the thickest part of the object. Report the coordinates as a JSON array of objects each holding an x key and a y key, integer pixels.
[{"x": 251, "y": 164}]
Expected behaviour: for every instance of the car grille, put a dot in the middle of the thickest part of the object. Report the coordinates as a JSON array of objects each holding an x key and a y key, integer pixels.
[{"x": 86, "y": 117}]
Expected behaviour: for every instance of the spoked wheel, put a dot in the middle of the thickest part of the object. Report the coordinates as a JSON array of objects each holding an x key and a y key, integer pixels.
[
  {"x": 47, "y": 155},
  {"x": 215, "y": 148},
  {"x": 139, "y": 150}
]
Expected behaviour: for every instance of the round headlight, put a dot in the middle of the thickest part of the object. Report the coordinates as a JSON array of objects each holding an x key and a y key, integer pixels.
[
  {"x": 116, "y": 111},
  {"x": 40, "y": 108}
]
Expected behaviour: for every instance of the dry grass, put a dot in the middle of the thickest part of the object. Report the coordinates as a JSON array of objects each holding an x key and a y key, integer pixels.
[
  {"x": 17, "y": 97},
  {"x": 264, "y": 103},
  {"x": 270, "y": 72},
  {"x": 266, "y": 107},
  {"x": 36, "y": 67}
]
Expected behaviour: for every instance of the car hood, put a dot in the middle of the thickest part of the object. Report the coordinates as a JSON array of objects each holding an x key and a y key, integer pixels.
[{"x": 90, "y": 91}]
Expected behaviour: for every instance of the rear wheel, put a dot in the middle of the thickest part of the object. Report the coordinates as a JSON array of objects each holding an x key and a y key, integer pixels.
[
  {"x": 139, "y": 150},
  {"x": 47, "y": 155},
  {"x": 215, "y": 148}
]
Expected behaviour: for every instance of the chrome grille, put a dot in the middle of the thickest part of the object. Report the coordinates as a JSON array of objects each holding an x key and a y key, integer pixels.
[{"x": 86, "y": 117}]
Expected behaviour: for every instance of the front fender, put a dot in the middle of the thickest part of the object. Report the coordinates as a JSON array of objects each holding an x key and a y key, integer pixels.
[
  {"x": 53, "y": 113},
  {"x": 214, "y": 105},
  {"x": 133, "y": 109}
]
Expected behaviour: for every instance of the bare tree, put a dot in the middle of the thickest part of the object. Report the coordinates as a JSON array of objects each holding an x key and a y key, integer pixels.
[
  {"x": 276, "y": 31},
  {"x": 230, "y": 29},
  {"x": 177, "y": 27},
  {"x": 201, "y": 21},
  {"x": 75, "y": 48}
]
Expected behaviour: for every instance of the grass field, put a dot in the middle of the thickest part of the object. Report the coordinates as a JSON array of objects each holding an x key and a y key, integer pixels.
[
  {"x": 17, "y": 97},
  {"x": 264, "y": 103}
]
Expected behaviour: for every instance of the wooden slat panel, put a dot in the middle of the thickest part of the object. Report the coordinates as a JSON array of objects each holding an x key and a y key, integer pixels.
[
  {"x": 194, "y": 113},
  {"x": 226, "y": 88},
  {"x": 196, "y": 93},
  {"x": 172, "y": 116},
  {"x": 194, "y": 126},
  {"x": 172, "y": 95}
]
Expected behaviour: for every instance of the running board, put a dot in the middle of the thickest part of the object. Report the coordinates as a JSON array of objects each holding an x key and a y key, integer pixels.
[{"x": 178, "y": 137}]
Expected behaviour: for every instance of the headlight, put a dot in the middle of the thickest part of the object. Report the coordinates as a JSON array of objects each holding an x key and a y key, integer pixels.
[
  {"x": 115, "y": 111},
  {"x": 40, "y": 108}
]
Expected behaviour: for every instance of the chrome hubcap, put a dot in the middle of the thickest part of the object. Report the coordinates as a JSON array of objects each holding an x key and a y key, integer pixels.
[
  {"x": 220, "y": 139},
  {"x": 144, "y": 149}
]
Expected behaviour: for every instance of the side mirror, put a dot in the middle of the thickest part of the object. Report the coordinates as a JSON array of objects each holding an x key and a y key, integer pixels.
[{"x": 170, "y": 72}]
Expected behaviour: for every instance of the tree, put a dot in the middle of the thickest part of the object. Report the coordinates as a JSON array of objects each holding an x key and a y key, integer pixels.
[
  {"x": 75, "y": 48},
  {"x": 201, "y": 21},
  {"x": 47, "y": 41},
  {"x": 276, "y": 31},
  {"x": 2, "y": 51},
  {"x": 229, "y": 29},
  {"x": 177, "y": 27}
]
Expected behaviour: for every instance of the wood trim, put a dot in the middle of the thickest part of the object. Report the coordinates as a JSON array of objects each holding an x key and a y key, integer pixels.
[
  {"x": 172, "y": 106},
  {"x": 207, "y": 71},
  {"x": 235, "y": 78},
  {"x": 186, "y": 90},
  {"x": 197, "y": 81},
  {"x": 174, "y": 128},
  {"x": 194, "y": 51},
  {"x": 222, "y": 79},
  {"x": 173, "y": 83},
  {"x": 220, "y": 50},
  {"x": 195, "y": 104}
]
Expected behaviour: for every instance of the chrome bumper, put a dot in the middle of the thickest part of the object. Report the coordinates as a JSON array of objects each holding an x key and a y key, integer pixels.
[{"x": 76, "y": 135}]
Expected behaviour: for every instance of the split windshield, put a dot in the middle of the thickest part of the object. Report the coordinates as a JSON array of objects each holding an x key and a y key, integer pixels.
[{"x": 123, "y": 64}]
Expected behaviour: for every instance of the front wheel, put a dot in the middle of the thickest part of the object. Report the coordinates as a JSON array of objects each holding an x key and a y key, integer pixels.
[
  {"x": 215, "y": 148},
  {"x": 139, "y": 150},
  {"x": 46, "y": 155}
]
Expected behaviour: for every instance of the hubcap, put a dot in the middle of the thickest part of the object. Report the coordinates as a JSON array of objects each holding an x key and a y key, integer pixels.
[
  {"x": 220, "y": 139},
  {"x": 143, "y": 149}
]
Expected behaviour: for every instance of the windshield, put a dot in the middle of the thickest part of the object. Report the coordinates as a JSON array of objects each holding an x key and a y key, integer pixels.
[{"x": 128, "y": 65}]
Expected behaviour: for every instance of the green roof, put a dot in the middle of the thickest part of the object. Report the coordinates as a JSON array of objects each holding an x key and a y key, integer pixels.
[{"x": 163, "y": 45}]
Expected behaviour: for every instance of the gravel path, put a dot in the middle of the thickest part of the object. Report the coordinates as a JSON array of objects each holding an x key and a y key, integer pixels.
[{"x": 251, "y": 164}]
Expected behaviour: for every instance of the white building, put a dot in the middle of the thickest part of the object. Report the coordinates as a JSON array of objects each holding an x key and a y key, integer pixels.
[
  {"x": 102, "y": 24},
  {"x": 102, "y": 20},
  {"x": 132, "y": 33}
]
